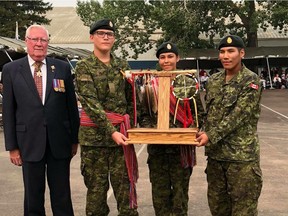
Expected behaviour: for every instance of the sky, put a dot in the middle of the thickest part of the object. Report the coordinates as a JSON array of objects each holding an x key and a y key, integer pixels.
[
  {"x": 62, "y": 3},
  {"x": 65, "y": 3}
]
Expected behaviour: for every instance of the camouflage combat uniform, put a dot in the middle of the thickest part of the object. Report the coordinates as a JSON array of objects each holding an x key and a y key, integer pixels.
[
  {"x": 169, "y": 179},
  {"x": 102, "y": 88},
  {"x": 233, "y": 171}
]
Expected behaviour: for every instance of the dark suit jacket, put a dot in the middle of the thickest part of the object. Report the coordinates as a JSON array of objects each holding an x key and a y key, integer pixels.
[{"x": 27, "y": 122}]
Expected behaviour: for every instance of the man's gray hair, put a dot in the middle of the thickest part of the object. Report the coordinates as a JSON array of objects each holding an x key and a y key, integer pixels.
[{"x": 36, "y": 26}]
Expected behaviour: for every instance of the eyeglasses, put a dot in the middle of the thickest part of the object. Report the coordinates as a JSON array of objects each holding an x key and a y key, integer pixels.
[
  {"x": 102, "y": 34},
  {"x": 35, "y": 40}
]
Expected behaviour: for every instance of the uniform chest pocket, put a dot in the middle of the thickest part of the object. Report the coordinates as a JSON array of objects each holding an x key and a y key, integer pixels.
[
  {"x": 101, "y": 85},
  {"x": 229, "y": 100}
]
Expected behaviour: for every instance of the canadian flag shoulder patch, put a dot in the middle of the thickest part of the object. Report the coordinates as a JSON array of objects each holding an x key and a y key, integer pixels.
[{"x": 254, "y": 86}]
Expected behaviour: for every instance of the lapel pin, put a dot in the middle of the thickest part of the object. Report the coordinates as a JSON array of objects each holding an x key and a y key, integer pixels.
[{"x": 52, "y": 68}]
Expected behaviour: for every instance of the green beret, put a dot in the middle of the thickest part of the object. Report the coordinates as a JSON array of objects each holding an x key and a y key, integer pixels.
[
  {"x": 165, "y": 48},
  {"x": 102, "y": 24},
  {"x": 231, "y": 41}
]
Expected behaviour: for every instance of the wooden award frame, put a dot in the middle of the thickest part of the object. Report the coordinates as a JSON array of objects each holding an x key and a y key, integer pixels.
[{"x": 163, "y": 134}]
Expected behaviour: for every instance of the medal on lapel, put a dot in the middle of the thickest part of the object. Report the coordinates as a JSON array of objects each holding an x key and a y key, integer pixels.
[
  {"x": 62, "y": 85},
  {"x": 58, "y": 85},
  {"x": 55, "y": 85}
]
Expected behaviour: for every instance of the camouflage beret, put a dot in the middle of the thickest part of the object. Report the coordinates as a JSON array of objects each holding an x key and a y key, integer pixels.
[
  {"x": 102, "y": 24},
  {"x": 231, "y": 41},
  {"x": 166, "y": 47}
]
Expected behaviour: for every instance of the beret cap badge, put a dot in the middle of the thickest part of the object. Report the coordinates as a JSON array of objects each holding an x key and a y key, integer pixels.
[
  {"x": 102, "y": 24},
  {"x": 167, "y": 47},
  {"x": 229, "y": 40}
]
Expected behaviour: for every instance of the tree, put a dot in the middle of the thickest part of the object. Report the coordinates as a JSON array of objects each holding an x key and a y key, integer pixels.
[
  {"x": 278, "y": 11},
  {"x": 179, "y": 24},
  {"x": 220, "y": 17},
  {"x": 25, "y": 13},
  {"x": 190, "y": 24},
  {"x": 131, "y": 18}
]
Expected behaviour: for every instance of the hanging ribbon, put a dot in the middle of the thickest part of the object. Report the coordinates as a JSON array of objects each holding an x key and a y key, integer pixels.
[{"x": 129, "y": 151}]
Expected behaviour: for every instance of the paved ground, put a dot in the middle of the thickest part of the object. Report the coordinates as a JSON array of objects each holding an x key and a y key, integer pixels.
[{"x": 273, "y": 134}]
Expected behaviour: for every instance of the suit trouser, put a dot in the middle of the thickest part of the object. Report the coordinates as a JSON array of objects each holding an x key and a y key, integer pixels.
[{"x": 58, "y": 174}]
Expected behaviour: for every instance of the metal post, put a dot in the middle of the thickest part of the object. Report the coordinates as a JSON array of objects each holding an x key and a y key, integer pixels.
[
  {"x": 269, "y": 73},
  {"x": 8, "y": 55}
]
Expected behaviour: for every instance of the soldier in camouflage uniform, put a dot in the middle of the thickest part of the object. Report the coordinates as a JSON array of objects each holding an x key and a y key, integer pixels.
[
  {"x": 169, "y": 175},
  {"x": 230, "y": 134},
  {"x": 101, "y": 88}
]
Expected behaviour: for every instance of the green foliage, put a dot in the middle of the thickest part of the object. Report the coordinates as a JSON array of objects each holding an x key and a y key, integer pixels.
[
  {"x": 178, "y": 24},
  {"x": 189, "y": 24},
  {"x": 279, "y": 15},
  {"x": 131, "y": 18},
  {"x": 25, "y": 13}
]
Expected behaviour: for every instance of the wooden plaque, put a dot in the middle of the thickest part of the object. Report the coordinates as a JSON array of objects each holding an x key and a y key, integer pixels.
[
  {"x": 163, "y": 134},
  {"x": 160, "y": 136}
]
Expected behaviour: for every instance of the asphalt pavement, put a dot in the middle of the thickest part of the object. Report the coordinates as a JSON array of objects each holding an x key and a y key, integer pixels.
[{"x": 272, "y": 130}]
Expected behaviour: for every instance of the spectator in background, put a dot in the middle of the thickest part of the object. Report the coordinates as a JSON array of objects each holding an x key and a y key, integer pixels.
[
  {"x": 264, "y": 73},
  {"x": 204, "y": 80},
  {"x": 283, "y": 75},
  {"x": 201, "y": 73},
  {"x": 263, "y": 81},
  {"x": 283, "y": 80},
  {"x": 277, "y": 81}
]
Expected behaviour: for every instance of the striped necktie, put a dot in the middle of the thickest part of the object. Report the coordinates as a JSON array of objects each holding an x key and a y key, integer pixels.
[{"x": 38, "y": 77}]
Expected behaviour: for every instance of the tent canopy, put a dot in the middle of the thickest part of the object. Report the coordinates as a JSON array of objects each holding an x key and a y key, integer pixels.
[{"x": 198, "y": 58}]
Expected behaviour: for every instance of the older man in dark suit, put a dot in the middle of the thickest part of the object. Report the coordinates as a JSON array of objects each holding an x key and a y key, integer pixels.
[{"x": 41, "y": 123}]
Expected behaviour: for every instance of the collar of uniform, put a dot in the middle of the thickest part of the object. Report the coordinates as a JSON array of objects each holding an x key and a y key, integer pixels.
[
  {"x": 219, "y": 75},
  {"x": 237, "y": 78},
  {"x": 95, "y": 58},
  {"x": 241, "y": 75}
]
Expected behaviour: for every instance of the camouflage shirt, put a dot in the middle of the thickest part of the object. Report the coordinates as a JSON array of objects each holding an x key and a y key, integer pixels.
[
  {"x": 102, "y": 88},
  {"x": 233, "y": 110}
]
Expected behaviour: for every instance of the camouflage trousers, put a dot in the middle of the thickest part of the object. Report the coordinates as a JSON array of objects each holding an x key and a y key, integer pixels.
[
  {"x": 98, "y": 165},
  {"x": 233, "y": 188},
  {"x": 170, "y": 184}
]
